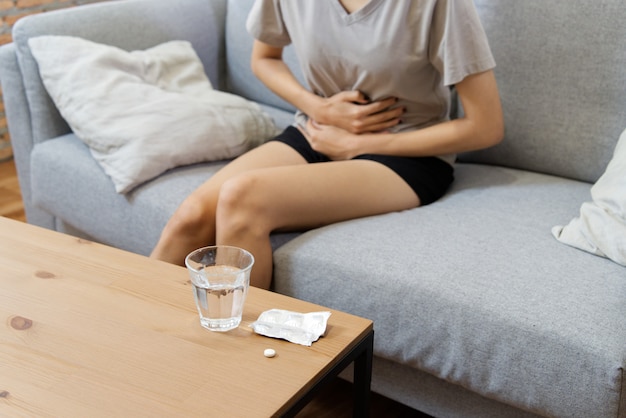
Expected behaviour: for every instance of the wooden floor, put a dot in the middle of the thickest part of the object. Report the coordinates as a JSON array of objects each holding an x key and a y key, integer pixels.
[
  {"x": 10, "y": 198},
  {"x": 334, "y": 401}
]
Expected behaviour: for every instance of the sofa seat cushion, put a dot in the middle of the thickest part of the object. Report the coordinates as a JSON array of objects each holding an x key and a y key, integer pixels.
[
  {"x": 64, "y": 190},
  {"x": 475, "y": 290},
  {"x": 132, "y": 221}
]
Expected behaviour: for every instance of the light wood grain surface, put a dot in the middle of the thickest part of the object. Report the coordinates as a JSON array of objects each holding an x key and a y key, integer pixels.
[{"x": 90, "y": 330}]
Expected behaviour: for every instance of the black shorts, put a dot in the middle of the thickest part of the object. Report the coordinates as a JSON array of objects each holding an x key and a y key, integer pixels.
[{"x": 429, "y": 177}]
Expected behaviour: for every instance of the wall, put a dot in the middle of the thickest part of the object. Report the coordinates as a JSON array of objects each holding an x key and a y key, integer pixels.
[{"x": 10, "y": 12}]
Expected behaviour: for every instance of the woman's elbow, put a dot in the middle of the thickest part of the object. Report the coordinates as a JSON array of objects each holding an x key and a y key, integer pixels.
[
  {"x": 485, "y": 133},
  {"x": 495, "y": 133},
  {"x": 490, "y": 127}
]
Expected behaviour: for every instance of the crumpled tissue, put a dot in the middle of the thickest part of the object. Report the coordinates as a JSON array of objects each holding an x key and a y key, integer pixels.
[{"x": 295, "y": 327}]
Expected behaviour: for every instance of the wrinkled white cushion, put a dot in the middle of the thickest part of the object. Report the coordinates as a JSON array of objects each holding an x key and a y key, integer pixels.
[
  {"x": 601, "y": 227},
  {"x": 144, "y": 112}
]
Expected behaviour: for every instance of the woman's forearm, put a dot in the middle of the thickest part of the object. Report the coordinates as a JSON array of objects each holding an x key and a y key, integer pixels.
[
  {"x": 481, "y": 126},
  {"x": 451, "y": 137},
  {"x": 268, "y": 66}
]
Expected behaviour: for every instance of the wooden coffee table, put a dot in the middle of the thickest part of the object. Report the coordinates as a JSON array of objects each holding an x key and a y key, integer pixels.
[{"x": 90, "y": 330}]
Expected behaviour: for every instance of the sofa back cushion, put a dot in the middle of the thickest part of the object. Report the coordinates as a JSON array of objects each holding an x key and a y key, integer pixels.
[
  {"x": 161, "y": 20},
  {"x": 561, "y": 70},
  {"x": 240, "y": 79}
]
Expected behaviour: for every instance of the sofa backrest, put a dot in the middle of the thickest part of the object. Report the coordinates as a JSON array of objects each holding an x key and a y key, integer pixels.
[
  {"x": 161, "y": 20},
  {"x": 240, "y": 79},
  {"x": 561, "y": 70}
]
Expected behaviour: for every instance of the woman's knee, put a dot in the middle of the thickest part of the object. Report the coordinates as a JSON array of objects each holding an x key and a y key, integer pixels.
[
  {"x": 241, "y": 206},
  {"x": 193, "y": 216}
]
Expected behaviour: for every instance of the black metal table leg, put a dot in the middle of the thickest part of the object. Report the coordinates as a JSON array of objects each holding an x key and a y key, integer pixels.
[
  {"x": 361, "y": 355},
  {"x": 363, "y": 378}
]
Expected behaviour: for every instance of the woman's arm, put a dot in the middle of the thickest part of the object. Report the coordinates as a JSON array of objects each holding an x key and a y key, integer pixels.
[
  {"x": 349, "y": 110},
  {"x": 482, "y": 126}
]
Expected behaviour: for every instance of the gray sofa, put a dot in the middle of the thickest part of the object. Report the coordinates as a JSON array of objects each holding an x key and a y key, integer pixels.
[{"x": 479, "y": 311}]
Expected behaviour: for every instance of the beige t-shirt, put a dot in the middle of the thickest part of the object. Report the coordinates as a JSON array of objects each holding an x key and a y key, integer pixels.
[{"x": 409, "y": 49}]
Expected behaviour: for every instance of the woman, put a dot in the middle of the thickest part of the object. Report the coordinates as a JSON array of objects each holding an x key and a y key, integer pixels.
[{"x": 371, "y": 134}]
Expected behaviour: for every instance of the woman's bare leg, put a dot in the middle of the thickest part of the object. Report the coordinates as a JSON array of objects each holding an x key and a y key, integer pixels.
[
  {"x": 254, "y": 203},
  {"x": 193, "y": 224},
  {"x": 272, "y": 188}
]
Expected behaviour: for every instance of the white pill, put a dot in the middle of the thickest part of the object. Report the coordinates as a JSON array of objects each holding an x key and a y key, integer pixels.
[{"x": 269, "y": 352}]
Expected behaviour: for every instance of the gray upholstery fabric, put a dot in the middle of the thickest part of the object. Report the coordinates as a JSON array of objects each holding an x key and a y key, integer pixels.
[
  {"x": 280, "y": 117},
  {"x": 133, "y": 221},
  {"x": 16, "y": 109},
  {"x": 241, "y": 80},
  {"x": 475, "y": 290},
  {"x": 145, "y": 23},
  {"x": 434, "y": 396},
  {"x": 561, "y": 69},
  {"x": 141, "y": 214}
]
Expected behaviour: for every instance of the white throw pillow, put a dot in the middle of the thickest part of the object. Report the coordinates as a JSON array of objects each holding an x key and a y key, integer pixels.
[
  {"x": 144, "y": 112},
  {"x": 601, "y": 227}
]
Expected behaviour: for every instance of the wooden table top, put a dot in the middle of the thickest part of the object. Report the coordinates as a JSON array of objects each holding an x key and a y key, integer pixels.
[{"x": 91, "y": 330}]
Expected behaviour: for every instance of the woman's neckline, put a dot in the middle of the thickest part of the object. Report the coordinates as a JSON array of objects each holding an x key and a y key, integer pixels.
[{"x": 358, "y": 13}]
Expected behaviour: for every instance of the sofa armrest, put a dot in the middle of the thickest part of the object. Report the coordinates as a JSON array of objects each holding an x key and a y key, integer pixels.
[
  {"x": 16, "y": 104},
  {"x": 127, "y": 24},
  {"x": 18, "y": 118}
]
